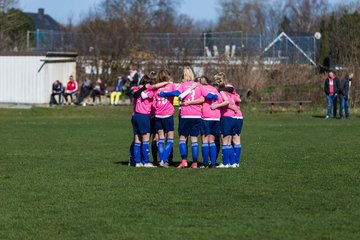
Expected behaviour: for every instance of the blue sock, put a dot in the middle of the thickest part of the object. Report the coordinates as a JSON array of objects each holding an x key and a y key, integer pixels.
[
  {"x": 213, "y": 154},
  {"x": 161, "y": 149},
  {"x": 183, "y": 149},
  {"x": 137, "y": 152},
  {"x": 154, "y": 151},
  {"x": 225, "y": 154},
  {"x": 231, "y": 154},
  {"x": 237, "y": 149},
  {"x": 145, "y": 152},
  {"x": 205, "y": 153},
  {"x": 195, "y": 151},
  {"x": 168, "y": 148}
]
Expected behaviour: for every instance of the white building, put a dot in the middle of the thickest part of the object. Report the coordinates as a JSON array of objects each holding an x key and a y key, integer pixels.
[{"x": 27, "y": 78}]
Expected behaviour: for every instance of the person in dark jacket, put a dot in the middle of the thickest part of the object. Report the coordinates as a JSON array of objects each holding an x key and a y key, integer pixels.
[
  {"x": 331, "y": 89},
  {"x": 98, "y": 90},
  {"x": 344, "y": 94},
  {"x": 57, "y": 89},
  {"x": 85, "y": 91}
]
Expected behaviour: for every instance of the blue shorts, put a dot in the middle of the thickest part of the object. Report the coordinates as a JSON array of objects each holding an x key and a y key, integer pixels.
[
  {"x": 229, "y": 126},
  {"x": 189, "y": 126},
  {"x": 239, "y": 126},
  {"x": 210, "y": 127},
  {"x": 141, "y": 123},
  {"x": 166, "y": 124}
]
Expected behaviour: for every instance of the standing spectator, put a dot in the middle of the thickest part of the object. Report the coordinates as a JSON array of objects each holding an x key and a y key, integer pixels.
[
  {"x": 345, "y": 85},
  {"x": 97, "y": 90},
  {"x": 118, "y": 90},
  {"x": 71, "y": 90},
  {"x": 57, "y": 89},
  {"x": 331, "y": 89},
  {"x": 85, "y": 91}
]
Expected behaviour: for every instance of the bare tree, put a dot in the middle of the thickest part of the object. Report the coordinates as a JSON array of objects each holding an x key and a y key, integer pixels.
[
  {"x": 13, "y": 27},
  {"x": 305, "y": 15},
  {"x": 5, "y": 5}
]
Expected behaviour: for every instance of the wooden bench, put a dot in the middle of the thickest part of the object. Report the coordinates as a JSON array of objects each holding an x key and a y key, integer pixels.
[{"x": 274, "y": 103}]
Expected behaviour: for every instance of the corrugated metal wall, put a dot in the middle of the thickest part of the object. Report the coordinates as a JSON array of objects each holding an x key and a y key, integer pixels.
[{"x": 21, "y": 83}]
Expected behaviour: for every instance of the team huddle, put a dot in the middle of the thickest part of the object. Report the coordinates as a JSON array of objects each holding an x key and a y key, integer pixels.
[{"x": 209, "y": 107}]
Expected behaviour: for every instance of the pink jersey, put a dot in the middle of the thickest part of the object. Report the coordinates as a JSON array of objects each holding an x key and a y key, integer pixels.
[
  {"x": 134, "y": 89},
  {"x": 238, "y": 115},
  {"x": 143, "y": 106},
  {"x": 194, "y": 110},
  {"x": 226, "y": 111},
  {"x": 164, "y": 106},
  {"x": 207, "y": 112}
]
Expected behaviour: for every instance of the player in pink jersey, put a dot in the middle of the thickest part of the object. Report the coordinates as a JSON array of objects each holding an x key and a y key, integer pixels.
[
  {"x": 164, "y": 115},
  {"x": 236, "y": 138},
  {"x": 141, "y": 124},
  {"x": 210, "y": 125},
  {"x": 236, "y": 142},
  {"x": 190, "y": 115},
  {"x": 163, "y": 123},
  {"x": 228, "y": 121}
]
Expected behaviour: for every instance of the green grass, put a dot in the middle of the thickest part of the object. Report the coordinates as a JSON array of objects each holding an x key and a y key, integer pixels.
[{"x": 64, "y": 175}]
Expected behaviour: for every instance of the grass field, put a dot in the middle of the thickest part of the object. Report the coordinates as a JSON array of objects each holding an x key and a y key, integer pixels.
[{"x": 64, "y": 175}]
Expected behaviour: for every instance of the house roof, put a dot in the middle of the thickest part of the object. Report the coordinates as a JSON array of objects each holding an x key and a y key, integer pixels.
[{"x": 43, "y": 21}]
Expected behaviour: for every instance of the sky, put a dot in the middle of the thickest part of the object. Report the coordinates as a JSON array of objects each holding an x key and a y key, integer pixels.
[{"x": 62, "y": 10}]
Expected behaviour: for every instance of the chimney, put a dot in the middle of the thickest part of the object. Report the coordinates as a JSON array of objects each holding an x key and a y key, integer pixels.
[{"x": 41, "y": 13}]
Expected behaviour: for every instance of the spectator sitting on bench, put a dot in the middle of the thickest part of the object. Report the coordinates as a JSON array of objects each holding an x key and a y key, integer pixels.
[
  {"x": 118, "y": 90},
  {"x": 98, "y": 90},
  {"x": 57, "y": 89},
  {"x": 71, "y": 90},
  {"x": 85, "y": 91}
]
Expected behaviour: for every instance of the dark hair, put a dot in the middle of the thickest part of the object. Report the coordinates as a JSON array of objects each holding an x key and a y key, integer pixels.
[
  {"x": 145, "y": 80},
  {"x": 152, "y": 75},
  {"x": 207, "y": 80},
  {"x": 163, "y": 76}
]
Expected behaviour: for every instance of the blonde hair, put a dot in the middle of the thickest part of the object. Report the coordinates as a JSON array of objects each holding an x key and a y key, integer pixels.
[{"x": 188, "y": 74}]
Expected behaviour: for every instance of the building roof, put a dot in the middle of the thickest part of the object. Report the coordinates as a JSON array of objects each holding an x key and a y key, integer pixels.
[{"x": 43, "y": 21}]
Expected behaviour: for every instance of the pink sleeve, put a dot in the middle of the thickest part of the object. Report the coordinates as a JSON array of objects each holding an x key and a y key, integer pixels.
[
  {"x": 220, "y": 99},
  {"x": 150, "y": 93},
  {"x": 135, "y": 88},
  {"x": 180, "y": 88},
  {"x": 224, "y": 96},
  {"x": 204, "y": 91}
]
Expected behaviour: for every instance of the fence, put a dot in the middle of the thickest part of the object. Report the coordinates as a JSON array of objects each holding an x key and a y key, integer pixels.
[{"x": 235, "y": 45}]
